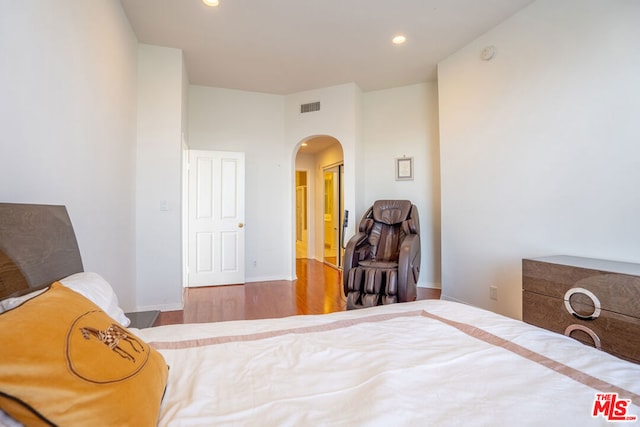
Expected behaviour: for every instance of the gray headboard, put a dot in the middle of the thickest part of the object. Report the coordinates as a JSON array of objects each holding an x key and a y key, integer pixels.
[{"x": 37, "y": 247}]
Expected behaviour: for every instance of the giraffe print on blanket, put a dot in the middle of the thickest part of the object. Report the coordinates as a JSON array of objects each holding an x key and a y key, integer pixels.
[{"x": 113, "y": 337}]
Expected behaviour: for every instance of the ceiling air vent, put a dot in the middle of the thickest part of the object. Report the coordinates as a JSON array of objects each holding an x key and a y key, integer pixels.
[{"x": 308, "y": 108}]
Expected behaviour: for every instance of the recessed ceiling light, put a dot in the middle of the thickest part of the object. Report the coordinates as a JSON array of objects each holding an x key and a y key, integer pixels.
[
  {"x": 399, "y": 39},
  {"x": 211, "y": 2}
]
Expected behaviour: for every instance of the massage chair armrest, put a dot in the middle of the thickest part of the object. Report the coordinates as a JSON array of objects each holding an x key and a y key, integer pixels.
[
  {"x": 408, "y": 267},
  {"x": 352, "y": 251}
]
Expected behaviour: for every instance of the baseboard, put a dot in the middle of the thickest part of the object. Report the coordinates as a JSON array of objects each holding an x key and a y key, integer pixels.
[
  {"x": 430, "y": 285},
  {"x": 267, "y": 279},
  {"x": 161, "y": 307}
]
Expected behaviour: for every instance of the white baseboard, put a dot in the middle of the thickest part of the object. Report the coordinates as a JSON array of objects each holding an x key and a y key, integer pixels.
[
  {"x": 430, "y": 285},
  {"x": 161, "y": 307},
  {"x": 267, "y": 279}
]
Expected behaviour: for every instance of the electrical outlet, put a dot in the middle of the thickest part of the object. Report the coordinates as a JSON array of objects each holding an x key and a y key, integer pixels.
[
  {"x": 493, "y": 293},
  {"x": 255, "y": 264}
]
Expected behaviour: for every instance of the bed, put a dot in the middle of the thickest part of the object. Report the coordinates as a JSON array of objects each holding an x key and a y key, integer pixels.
[{"x": 428, "y": 362}]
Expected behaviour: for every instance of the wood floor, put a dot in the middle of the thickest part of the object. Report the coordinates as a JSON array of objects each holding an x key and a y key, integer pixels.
[{"x": 318, "y": 290}]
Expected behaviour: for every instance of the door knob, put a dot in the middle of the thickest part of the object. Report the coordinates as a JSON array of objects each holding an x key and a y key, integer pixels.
[{"x": 240, "y": 224}]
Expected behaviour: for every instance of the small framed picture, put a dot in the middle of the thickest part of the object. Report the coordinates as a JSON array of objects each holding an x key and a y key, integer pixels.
[{"x": 404, "y": 169}]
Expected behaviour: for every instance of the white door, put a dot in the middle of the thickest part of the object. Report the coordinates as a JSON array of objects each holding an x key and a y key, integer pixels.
[{"x": 216, "y": 218}]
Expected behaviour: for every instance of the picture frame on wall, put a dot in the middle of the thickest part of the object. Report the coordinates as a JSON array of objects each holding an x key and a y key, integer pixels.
[{"x": 404, "y": 168}]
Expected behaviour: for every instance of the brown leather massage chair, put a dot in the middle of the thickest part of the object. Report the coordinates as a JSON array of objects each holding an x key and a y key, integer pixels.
[{"x": 382, "y": 261}]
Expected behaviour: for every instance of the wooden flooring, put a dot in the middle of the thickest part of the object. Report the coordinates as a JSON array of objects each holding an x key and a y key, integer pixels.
[{"x": 318, "y": 290}]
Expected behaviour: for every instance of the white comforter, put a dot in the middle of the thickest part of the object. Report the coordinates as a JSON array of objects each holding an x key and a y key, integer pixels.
[{"x": 396, "y": 365}]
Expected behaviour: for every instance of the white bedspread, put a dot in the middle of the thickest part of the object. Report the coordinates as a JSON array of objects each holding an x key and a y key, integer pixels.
[{"x": 396, "y": 365}]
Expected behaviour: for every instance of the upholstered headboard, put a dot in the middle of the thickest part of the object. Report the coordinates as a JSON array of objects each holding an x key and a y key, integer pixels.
[{"x": 37, "y": 247}]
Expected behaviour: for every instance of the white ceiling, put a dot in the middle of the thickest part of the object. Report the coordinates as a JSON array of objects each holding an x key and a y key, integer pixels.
[{"x": 288, "y": 46}]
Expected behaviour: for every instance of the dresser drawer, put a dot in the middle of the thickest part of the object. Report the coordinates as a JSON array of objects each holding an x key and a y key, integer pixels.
[
  {"x": 616, "y": 292},
  {"x": 612, "y": 332}
]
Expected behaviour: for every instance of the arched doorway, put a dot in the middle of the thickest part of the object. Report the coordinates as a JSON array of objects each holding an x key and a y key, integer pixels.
[{"x": 319, "y": 167}]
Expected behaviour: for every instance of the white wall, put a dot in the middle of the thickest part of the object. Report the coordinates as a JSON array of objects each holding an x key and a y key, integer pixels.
[
  {"x": 404, "y": 122},
  {"x": 158, "y": 179},
  {"x": 68, "y": 117},
  {"x": 253, "y": 123},
  {"x": 540, "y": 151}
]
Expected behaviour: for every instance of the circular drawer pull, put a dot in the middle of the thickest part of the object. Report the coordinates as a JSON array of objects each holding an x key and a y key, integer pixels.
[
  {"x": 591, "y": 295},
  {"x": 594, "y": 337}
]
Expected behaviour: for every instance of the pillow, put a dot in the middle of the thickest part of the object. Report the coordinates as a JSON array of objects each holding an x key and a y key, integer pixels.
[
  {"x": 9, "y": 303},
  {"x": 7, "y": 421},
  {"x": 98, "y": 290},
  {"x": 65, "y": 362}
]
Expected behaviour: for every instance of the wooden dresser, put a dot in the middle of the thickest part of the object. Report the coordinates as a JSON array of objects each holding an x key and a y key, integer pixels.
[{"x": 594, "y": 301}]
